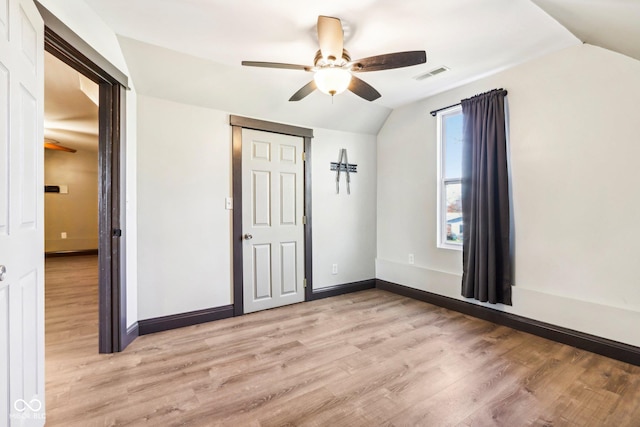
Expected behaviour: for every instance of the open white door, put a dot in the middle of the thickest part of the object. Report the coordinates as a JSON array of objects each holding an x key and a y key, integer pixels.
[
  {"x": 272, "y": 211},
  {"x": 21, "y": 214}
]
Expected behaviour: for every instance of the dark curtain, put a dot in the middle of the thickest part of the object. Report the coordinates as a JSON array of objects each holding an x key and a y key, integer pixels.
[{"x": 485, "y": 200}]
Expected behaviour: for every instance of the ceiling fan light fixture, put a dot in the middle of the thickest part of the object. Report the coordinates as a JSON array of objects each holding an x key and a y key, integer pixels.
[
  {"x": 332, "y": 80},
  {"x": 333, "y": 66}
]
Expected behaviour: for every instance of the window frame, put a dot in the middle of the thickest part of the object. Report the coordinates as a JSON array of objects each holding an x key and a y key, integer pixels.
[{"x": 442, "y": 242}]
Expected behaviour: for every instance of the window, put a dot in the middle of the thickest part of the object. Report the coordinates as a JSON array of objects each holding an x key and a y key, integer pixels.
[{"x": 450, "y": 226}]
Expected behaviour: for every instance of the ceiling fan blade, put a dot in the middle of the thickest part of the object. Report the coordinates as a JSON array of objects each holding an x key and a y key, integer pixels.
[
  {"x": 330, "y": 37},
  {"x": 363, "y": 89},
  {"x": 276, "y": 65},
  {"x": 52, "y": 146},
  {"x": 389, "y": 61},
  {"x": 304, "y": 91}
]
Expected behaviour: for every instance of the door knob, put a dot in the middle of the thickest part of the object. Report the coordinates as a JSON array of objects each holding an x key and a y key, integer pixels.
[
  {"x": 248, "y": 237},
  {"x": 3, "y": 272}
]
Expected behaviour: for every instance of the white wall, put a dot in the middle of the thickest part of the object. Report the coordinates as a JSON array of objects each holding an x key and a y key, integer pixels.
[
  {"x": 574, "y": 148},
  {"x": 82, "y": 20},
  {"x": 129, "y": 164},
  {"x": 184, "y": 175},
  {"x": 343, "y": 224}
]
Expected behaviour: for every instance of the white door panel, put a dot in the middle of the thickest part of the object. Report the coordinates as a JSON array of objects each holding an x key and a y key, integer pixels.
[
  {"x": 4, "y": 19},
  {"x": 261, "y": 206},
  {"x": 288, "y": 199},
  {"x": 21, "y": 214},
  {"x": 261, "y": 274},
  {"x": 272, "y": 206},
  {"x": 4, "y": 150},
  {"x": 288, "y": 278}
]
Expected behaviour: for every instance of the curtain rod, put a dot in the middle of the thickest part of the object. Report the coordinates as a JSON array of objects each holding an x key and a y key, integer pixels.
[{"x": 434, "y": 112}]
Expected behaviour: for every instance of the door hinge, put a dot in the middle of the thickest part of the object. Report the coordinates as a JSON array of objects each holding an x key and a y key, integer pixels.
[
  {"x": 304, "y": 220},
  {"x": 304, "y": 156},
  {"x": 304, "y": 282},
  {"x": 117, "y": 232}
]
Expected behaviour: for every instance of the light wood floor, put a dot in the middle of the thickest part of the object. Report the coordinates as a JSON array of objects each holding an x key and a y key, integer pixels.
[{"x": 365, "y": 359}]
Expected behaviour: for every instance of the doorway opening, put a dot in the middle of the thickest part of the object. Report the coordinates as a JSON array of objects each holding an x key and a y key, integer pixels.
[
  {"x": 70, "y": 160},
  {"x": 70, "y": 211},
  {"x": 66, "y": 46}
]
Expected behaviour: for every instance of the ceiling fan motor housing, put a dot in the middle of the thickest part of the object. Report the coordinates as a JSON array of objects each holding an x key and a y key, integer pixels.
[{"x": 320, "y": 62}]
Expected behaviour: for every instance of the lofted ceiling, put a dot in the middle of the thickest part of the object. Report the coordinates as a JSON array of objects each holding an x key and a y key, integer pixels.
[
  {"x": 190, "y": 50},
  {"x": 611, "y": 24}
]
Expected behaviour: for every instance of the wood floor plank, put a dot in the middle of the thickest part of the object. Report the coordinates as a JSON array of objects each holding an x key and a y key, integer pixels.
[{"x": 370, "y": 358}]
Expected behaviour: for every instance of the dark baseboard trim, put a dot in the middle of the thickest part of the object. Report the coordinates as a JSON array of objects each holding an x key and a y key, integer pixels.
[
  {"x": 131, "y": 334},
  {"x": 71, "y": 253},
  {"x": 346, "y": 288},
  {"x": 174, "y": 321},
  {"x": 609, "y": 348}
]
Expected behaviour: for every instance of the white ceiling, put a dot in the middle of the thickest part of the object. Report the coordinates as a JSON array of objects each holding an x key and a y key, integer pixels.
[
  {"x": 612, "y": 24},
  {"x": 190, "y": 50},
  {"x": 209, "y": 39},
  {"x": 70, "y": 116}
]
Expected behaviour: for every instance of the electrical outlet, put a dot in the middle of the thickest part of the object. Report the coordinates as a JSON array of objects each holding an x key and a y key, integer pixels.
[
  {"x": 63, "y": 235},
  {"x": 411, "y": 259},
  {"x": 334, "y": 269}
]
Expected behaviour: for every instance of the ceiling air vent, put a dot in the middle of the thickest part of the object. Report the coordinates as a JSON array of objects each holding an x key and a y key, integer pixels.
[{"x": 431, "y": 73}]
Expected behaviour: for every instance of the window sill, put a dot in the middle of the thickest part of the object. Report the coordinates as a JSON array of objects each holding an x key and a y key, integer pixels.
[{"x": 450, "y": 246}]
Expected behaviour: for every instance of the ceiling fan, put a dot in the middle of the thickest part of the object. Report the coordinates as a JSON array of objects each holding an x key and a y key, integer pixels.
[
  {"x": 333, "y": 67},
  {"x": 52, "y": 144}
]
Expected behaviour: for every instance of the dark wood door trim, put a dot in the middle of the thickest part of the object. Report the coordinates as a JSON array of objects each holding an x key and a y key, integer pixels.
[
  {"x": 308, "y": 253},
  {"x": 237, "y": 124},
  {"x": 238, "y": 274},
  {"x": 263, "y": 125},
  {"x": 111, "y": 288}
]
